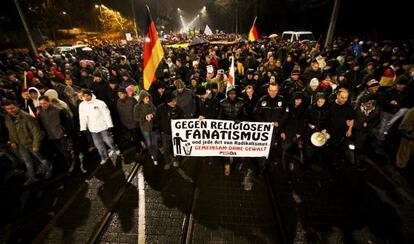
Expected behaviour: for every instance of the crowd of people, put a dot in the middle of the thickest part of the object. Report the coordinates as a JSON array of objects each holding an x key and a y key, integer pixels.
[{"x": 355, "y": 91}]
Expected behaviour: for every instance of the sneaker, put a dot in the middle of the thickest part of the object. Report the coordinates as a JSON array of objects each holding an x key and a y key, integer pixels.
[
  {"x": 103, "y": 161},
  {"x": 167, "y": 166},
  {"x": 110, "y": 153},
  {"x": 83, "y": 169},
  {"x": 296, "y": 197},
  {"x": 30, "y": 181},
  {"x": 227, "y": 169},
  {"x": 155, "y": 162},
  {"x": 291, "y": 166},
  {"x": 118, "y": 152},
  {"x": 176, "y": 164}
]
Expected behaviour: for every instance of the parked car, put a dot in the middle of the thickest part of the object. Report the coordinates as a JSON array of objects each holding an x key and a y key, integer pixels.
[
  {"x": 58, "y": 51},
  {"x": 299, "y": 36}
]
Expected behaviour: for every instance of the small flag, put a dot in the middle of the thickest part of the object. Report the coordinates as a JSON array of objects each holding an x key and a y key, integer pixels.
[
  {"x": 153, "y": 52},
  {"x": 231, "y": 77},
  {"x": 253, "y": 35}
]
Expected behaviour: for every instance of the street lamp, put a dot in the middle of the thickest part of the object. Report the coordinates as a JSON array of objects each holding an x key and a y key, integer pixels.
[
  {"x": 67, "y": 21},
  {"x": 96, "y": 6}
]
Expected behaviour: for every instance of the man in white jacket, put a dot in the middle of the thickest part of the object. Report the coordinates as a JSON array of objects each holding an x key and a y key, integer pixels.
[{"x": 94, "y": 115}]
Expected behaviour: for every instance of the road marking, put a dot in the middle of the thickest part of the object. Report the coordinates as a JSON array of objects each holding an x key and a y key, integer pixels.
[{"x": 141, "y": 207}]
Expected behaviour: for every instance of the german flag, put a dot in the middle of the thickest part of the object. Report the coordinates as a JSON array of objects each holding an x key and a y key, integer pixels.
[
  {"x": 253, "y": 35},
  {"x": 153, "y": 52}
]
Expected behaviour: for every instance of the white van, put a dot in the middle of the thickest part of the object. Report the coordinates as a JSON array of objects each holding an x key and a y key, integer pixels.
[
  {"x": 58, "y": 51},
  {"x": 299, "y": 36}
]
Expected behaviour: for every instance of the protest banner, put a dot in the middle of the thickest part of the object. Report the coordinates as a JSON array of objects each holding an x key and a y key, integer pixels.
[{"x": 225, "y": 138}]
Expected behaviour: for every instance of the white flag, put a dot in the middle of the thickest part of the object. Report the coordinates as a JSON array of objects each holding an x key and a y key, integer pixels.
[
  {"x": 231, "y": 77},
  {"x": 207, "y": 31}
]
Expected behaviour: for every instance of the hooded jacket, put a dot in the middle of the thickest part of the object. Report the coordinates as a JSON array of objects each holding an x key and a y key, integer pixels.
[
  {"x": 125, "y": 108},
  {"x": 141, "y": 110},
  {"x": 94, "y": 115},
  {"x": 35, "y": 101},
  {"x": 54, "y": 98}
]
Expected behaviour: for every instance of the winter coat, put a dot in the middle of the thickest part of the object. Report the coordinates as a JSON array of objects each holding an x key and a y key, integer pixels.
[
  {"x": 165, "y": 114},
  {"x": 316, "y": 116},
  {"x": 55, "y": 121},
  {"x": 270, "y": 109},
  {"x": 24, "y": 130},
  {"x": 102, "y": 91},
  {"x": 372, "y": 118},
  {"x": 186, "y": 102},
  {"x": 208, "y": 108},
  {"x": 141, "y": 110},
  {"x": 250, "y": 105},
  {"x": 295, "y": 117},
  {"x": 94, "y": 115},
  {"x": 54, "y": 98},
  {"x": 125, "y": 108},
  {"x": 232, "y": 110}
]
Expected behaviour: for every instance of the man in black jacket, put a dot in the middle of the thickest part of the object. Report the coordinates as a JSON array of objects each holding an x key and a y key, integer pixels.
[
  {"x": 339, "y": 124},
  {"x": 292, "y": 130},
  {"x": 271, "y": 108},
  {"x": 207, "y": 106},
  {"x": 164, "y": 114},
  {"x": 232, "y": 108},
  {"x": 101, "y": 89}
]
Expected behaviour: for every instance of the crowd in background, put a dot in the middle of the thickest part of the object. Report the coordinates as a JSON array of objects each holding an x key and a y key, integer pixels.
[{"x": 56, "y": 107}]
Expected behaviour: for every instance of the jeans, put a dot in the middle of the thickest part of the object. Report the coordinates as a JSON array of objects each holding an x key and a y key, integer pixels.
[
  {"x": 396, "y": 117},
  {"x": 388, "y": 120},
  {"x": 151, "y": 138},
  {"x": 26, "y": 153},
  {"x": 100, "y": 139}
]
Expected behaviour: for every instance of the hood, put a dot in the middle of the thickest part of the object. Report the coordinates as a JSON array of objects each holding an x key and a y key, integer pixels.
[
  {"x": 52, "y": 94},
  {"x": 143, "y": 94},
  {"x": 36, "y": 102},
  {"x": 34, "y": 89}
]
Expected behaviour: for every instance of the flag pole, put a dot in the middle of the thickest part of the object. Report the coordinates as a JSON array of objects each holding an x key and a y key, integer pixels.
[{"x": 254, "y": 21}]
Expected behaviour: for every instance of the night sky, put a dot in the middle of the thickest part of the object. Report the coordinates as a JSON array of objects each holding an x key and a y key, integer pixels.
[{"x": 372, "y": 19}]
